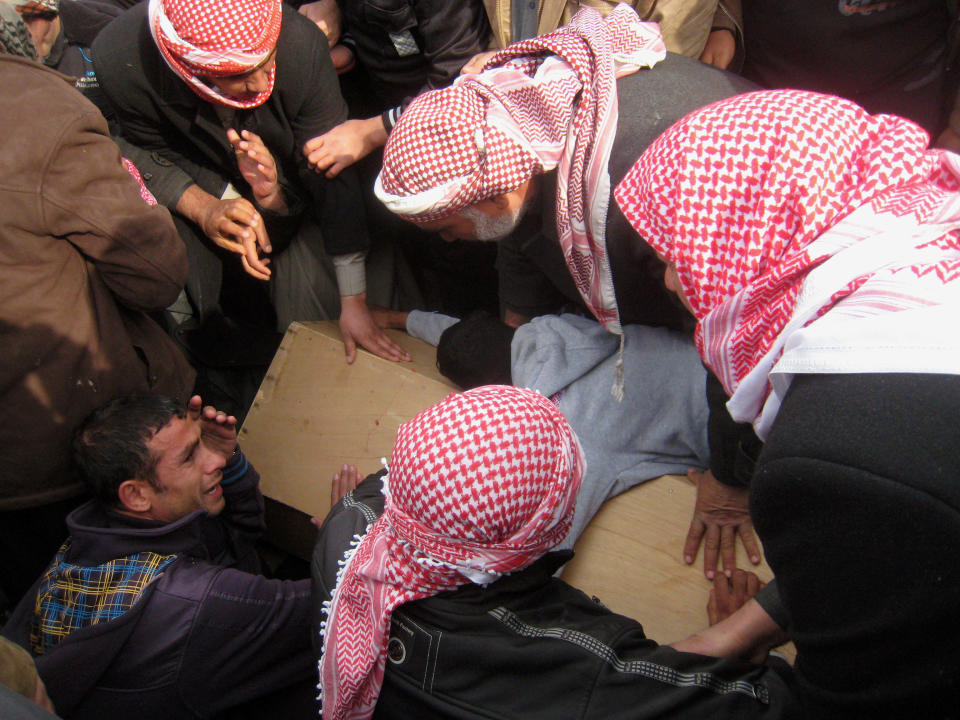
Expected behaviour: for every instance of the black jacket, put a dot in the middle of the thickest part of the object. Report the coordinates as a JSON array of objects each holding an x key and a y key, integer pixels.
[
  {"x": 410, "y": 46},
  {"x": 530, "y": 646},
  {"x": 158, "y": 112}
]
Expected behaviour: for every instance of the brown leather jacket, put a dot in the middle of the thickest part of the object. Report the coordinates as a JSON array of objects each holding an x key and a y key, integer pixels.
[{"x": 82, "y": 259}]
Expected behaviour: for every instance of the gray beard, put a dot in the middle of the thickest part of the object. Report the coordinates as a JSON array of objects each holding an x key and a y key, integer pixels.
[{"x": 492, "y": 228}]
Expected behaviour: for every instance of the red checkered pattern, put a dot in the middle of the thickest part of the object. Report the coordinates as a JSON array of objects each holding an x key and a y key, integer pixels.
[
  {"x": 735, "y": 195},
  {"x": 145, "y": 194},
  {"x": 483, "y": 483},
  {"x": 216, "y": 38},
  {"x": 543, "y": 103}
]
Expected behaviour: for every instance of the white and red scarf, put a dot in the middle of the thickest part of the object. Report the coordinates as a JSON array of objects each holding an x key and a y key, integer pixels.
[
  {"x": 216, "y": 38},
  {"x": 543, "y": 103},
  {"x": 808, "y": 237},
  {"x": 480, "y": 485}
]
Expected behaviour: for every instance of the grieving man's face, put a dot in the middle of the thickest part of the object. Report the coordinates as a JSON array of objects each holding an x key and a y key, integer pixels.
[
  {"x": 187, "y": 472},
  {"x": 246, "y": 85},
  {"x": 480, "y": 221}
]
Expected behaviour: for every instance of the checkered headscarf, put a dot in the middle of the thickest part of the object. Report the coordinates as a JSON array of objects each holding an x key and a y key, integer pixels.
[
  {"x": 216, "y": 38},
  {"x": 15, "y": 37},
  {"x": 543, "y": 103},
  {"x": 790, "y": 216},
  {"x": 480, "y": 485}
]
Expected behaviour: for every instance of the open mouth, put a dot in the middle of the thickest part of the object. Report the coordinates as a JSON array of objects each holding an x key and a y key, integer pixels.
[{"x": 215, "y": 491}]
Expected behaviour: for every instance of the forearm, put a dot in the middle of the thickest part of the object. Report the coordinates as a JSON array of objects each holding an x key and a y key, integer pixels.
[
  {"x": 195, "y": 204},
  {"x": 428, "y": 326},
  {"x": 337, "y": 204},
  {"x": 166, "y": 180},
  {"x": 346, "y": 519},
  {"x": 251, "y": 636},
  {"x": 374, "y": 132},
  {"x": 749, "y": 633}
]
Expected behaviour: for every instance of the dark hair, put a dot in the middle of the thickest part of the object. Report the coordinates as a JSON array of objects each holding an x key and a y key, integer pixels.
[
  {"x": 110, "y": 446},
  {"x": 476, "y": 351}
]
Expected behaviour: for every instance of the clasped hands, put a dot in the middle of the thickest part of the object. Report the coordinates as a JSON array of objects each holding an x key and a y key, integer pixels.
[{"x": 235, "y": 224}]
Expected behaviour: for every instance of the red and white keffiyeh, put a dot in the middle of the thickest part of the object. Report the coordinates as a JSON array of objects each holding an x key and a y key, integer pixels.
[
  {"x": 480, "y": 485},
  {"x": 216, "y": 38},
  {"x": 145, "y": 194},
  {"x": 543, "y": 103},
  {"x": 808, "y": 237}
]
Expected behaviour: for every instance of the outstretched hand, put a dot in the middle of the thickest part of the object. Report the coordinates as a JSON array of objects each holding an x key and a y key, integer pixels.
[
  {"x": 344, "y": 480},
  {"x": 359, "y": 328},
  {"x": 389, "y": 319},
  {"x": 476, "y": 63},
  {"x": 749, "y": 633},
  {"x": 218, "y": 431},
  {"x": 730, "y": 594},
  {"x": 258, "y": 168},
  {"x": 344, "y": 145},
  {"x": 720, "y": 514}
]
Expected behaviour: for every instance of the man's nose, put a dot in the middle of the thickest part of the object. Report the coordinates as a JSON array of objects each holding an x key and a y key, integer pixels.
[
  {"x": 214, "y": 462},
  {"x": 258, "y": 82}
]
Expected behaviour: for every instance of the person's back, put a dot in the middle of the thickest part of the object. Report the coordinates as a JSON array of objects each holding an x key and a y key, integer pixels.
[
  {"x": 82, "y": 257},
  {"x": 888, "y": 57}
]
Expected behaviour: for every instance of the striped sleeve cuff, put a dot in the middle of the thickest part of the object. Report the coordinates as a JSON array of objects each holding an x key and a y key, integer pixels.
[{"x": 235, "y": 468}]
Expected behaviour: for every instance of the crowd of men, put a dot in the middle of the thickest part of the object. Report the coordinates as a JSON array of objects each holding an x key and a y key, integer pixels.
[{"x": 693, "y": 273}]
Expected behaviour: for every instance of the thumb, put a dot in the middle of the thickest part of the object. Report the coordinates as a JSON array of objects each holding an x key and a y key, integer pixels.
[{"x": 350, "y": 348}]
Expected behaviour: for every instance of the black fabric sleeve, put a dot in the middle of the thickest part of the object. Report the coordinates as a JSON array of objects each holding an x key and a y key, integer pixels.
[
  {"x": 734, "y": 447},
  {"x": 337, "y": 203},
  {"x": 451, "y": 33},
  {"x": 347, "y": 519},
  {"x": 769, "y": 599},
  {"x": 250, "y": 636}
]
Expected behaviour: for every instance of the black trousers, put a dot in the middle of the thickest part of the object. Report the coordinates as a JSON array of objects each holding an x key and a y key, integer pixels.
[{"x": 856, "y": 498}]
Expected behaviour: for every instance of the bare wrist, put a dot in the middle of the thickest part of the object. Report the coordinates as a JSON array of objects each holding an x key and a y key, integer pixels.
[
  {"x": 274, "y": 201},
  {"x": 195, "y": 204}
]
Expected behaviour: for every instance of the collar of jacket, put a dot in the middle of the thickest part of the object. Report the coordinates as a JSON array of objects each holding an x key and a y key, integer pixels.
[
  {"x": 522, "y": 582},
  {"x": 99, "y": 536}
]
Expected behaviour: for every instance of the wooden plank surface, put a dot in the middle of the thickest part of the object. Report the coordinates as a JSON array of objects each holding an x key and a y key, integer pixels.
[
  {"x": 313, "y": 412},
  {"x": 630, "y": 558}
]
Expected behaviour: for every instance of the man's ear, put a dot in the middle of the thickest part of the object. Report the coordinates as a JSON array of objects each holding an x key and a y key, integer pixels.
[{"x": 135, "y": 495}]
